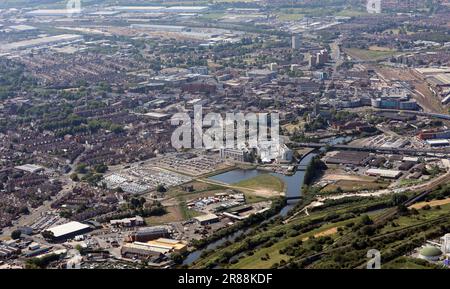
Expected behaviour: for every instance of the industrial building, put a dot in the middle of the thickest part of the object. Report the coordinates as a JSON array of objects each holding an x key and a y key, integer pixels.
[
  {"x": 7, "y": 251},
  {"x": 128, "y": 222},
  {"x": 69, "y": 230},
  {"x": 186, "y": 9},
  {"x": 34, "y": 169},
  {"x": 430, "y": 253},
  {"x": 240, "y": 155},
  {"x": 438, "y": 142},
  {"x": 53, "y": 12},
  {"x": 22, "y": 28},
  {"x": 42, "y": 42},
  {"x": 445, "y": 248},
  {"x": 207, "y": 219},
  {"x": 160, "y": 9},
  {"x": 446, "y": 244},
  {"x": 169, "y": 244},
  {"x": 286, "y": 154},
  {"x": 296, "y": 41},
  {"x": 437, "y": 78},
  {"x": 150, "y": 233},
  {"x": 263, "y": 74},
  {"x": 158, "y": 116},
  {"x": 389, "y": 174},
  {"x": 142, "y": 251},
  {"x": 161, "y": 28},
  {"x": 348, "y": 158},
  {"x": 429, "y": 134},
  {"x": 393, "y": 103}
]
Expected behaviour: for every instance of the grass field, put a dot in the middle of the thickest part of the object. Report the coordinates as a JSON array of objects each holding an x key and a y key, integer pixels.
[
  {"x": 423, "y": 216},
  {"x": 407, "y": 263},
  {"x": 352, "y": 186},
  {"x": 406, "y": 182},
  {"x": 269, "y": 246},
  {"x": 290, "y": 16},
  {"x": 433, "y": 203},
  {"x": 351, "y": 13},
  {"x": 367, "y": 54},
  {"x": 256, "y": 262},
  {"x": 212, "y": 16},
  {"x": 380, "y": 48},
  {"x": 259, "y": 258},
  {"x": 173, "y": 214},
  {"x": 263, "y": 182},
  {"x": 199, "y": 188}
]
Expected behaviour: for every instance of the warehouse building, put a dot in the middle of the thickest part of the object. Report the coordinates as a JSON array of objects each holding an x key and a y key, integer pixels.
[
  {"x": 389, "y": 174},
  {"x": 240, "y": 155},
  {"x": 150, "y": 233},
  {"x": 263, "y": 74},
  {"x": 348, "y": 158},
  {"x": 207, "y": 219},
  {"x": 430, "y": 134},
  {"x": 169, "y": 244},
  {"x": 160, "y": 9},
  {"x": 42, "y": 42},
  {"x": 161, "y": 28},
  {"x": 34, "y": 169},
  {"x": 69, "y": 230},
  {"x": 128, "y": 222},
  {"x": 406, "y": 166},
  {"x": 53, "y": 12},
  {"x": 142, "y": 251},
  {"x": 158, "y": 116},
  {"x": 438, "y": 143},
  {"x": 7, "y": 251}
]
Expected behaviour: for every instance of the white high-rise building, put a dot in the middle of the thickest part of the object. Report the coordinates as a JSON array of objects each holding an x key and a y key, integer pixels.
[
  {"x": 374, "y": 6},
  {"x": 445, "y": 244},
  {"x": 296, "y": 41},
  {"x": 273, "y": 66}
]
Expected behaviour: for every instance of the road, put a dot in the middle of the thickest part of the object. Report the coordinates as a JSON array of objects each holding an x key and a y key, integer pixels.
[{"x": 336, "y": 54}]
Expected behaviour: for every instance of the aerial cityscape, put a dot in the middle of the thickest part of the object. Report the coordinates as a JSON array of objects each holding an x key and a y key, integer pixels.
[{"x": 225, "y": 134}]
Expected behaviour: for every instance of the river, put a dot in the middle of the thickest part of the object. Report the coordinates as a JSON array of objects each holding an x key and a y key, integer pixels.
[{"x": 294, "y": 184}]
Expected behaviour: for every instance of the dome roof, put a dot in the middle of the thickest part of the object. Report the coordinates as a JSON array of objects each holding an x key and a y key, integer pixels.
[{"x": 430, "y": 252}]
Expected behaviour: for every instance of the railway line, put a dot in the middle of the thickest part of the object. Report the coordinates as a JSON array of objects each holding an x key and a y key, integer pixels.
[{"x": 417, "y": 197}]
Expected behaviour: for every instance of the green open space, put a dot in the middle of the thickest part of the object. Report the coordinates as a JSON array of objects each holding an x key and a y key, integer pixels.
[
  {"x": 264, "y": 182},
  {"x": 421, "y": 217},
  {"x": 352, "y": 186},
  {"x": 367, "y": 54}
]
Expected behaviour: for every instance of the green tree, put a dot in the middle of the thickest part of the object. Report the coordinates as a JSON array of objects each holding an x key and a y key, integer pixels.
[
  {"x": 365, "y": 220},
  {"x": 161, "y": 189},
  {"x": 81, "y": 168},
  {"x": 177, "y": 258},
  {"x": 101, "y": 168},
  {"x": 16, "y": 234},
  {"x": 48, "y": 235},
  {"x": 398, "y": 199},
  {"x": 74, "y": 177}
]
